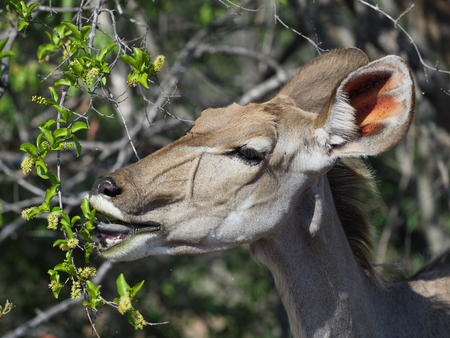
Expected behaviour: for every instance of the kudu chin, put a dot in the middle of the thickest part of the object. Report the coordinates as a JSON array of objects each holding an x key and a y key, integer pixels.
[{"x": 283, "y": 176}]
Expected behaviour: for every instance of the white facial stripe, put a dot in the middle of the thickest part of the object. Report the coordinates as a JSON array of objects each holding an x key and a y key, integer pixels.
[
  {"x": 230, "y": 223},
  {"x": 199, "y": 149},
  {"x": 102, "y": 203},
  {"x": 260, "y": 144}
]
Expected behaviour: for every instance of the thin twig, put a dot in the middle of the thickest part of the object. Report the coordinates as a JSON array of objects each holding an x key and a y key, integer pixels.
[
  {"x": 232, "y": 50},
  {"x": 56, "y": 10},
  {"x": 94, "y": 25},
  {"x": 30, "y": 187},
  {"x": 116, "y": 105},
  {"x": 58, "y": 152},
  {"x": 237, "y": 6},
  {"x": 316, "y": 45},
  {"x": 121, "y": 13},
  {"x": 411, "y": 40}
]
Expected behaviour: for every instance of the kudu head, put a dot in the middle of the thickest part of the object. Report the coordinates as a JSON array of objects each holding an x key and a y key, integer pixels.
[{"x": 237, "y": 174}]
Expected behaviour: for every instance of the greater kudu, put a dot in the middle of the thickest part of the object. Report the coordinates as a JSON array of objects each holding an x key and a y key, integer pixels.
[{"x": 274, "y": 175}]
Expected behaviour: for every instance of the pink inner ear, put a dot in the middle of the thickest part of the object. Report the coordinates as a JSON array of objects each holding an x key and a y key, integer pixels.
[{"x": 374, "y": 101}]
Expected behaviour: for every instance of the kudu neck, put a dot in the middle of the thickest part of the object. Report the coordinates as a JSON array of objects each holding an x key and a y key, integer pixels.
[{"x": 324, "y": 290}]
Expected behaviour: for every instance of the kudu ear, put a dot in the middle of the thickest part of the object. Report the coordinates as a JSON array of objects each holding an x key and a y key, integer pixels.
[{"x": 371, "y": 110}]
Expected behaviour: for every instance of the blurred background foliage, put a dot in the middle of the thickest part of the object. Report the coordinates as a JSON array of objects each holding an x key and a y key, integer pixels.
[{"x": 216, "y": 54}]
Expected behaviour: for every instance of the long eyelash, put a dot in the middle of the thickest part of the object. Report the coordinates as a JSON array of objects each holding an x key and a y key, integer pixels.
[{"x": 258, "y": 157}]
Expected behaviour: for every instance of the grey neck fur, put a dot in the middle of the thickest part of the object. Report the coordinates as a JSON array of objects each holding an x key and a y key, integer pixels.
[{"x": 325, "y": 291}]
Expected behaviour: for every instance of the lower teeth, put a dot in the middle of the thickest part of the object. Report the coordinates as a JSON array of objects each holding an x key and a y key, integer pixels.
[{"x": 111, "y": 242}]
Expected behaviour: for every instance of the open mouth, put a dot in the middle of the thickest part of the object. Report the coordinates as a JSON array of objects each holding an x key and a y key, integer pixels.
[{"x": 114, "y": 232}]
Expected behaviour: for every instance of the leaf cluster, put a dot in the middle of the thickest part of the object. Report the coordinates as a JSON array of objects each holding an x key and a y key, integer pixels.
[
  {"x": 85, "y": 70},
  {"x": 23, "y": 12}
]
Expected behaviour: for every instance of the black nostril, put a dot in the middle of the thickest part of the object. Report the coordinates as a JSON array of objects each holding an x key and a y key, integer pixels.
[{"x": 106, "y": 186}]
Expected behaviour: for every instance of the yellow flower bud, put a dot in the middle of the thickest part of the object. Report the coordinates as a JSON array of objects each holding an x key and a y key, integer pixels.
[
  {"x": 72, "y": 243},
  {"x": 54, "y": 285},
  {"x": 138, "y": 319},
  {"x": 75, "y": 291},
  {"x": 27, "y": 164},
  {"x": 53, "y": 221},
  {"x": 159, "y": 62},
  {"x": 124, "y": 304}
]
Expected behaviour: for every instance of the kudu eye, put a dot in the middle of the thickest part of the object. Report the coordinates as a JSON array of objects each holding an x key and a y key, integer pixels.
[{"x": 249, "y": 155}]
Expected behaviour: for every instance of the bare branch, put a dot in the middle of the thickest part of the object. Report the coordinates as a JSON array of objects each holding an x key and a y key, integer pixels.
[
  {"x": 411, "y": 40},
  {"x": 94, "y": 25},
  {"x": 223, "y": 2},
  {"x": 316, "y": 45},
  {"x": 30, "y": 187}
]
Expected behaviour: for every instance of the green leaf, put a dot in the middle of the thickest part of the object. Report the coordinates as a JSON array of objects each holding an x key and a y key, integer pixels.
[
  {"x": 6, "y": 54},
  {"x": 24, "y": 10},
  {"x": 21, "y": 24},
  {"x": 63, "y": 82},
  {"x": 60, "y": 30},
  {"x": 138, "y": 57},
  {"x": 41, "y": 164},
  {"x": 44, "y": 207},
  {"x": 77, "y": 69},
  {"x": 65, "y": 113},
  {"x": 48, "y": 124},
  {"x": 128, "y": 59},
  {"x": 60, "y": 266},
  {"x": 51, "y": 192},
  {"x": 105, "y": 68},
  {"x": 3, "y": 44},
  {"x": 44, "y": 49},
  {"x": 94, "y": 295},
  {"x": 77, "y": 145},
  {"x": 142, "y": 78},
  {"x": 70, "y": 77},
  {"x": 16, "y": 4},
  {"x": 57, "y": 211},
  {"x": 84, "y": 31},
  {"x": 85, "y": 233},
  {"x": 53, "y": 178},
  {"x": 86, "y": 208},
  {"x": 122, "y": 286},
  {"x": 48, "y": 135},
  {"x": 74, "y": 220},
  {"x": 34, "y": 212},
  {"x": 54, "y": 94},
  {"x": 41, "y": 171},
  {"x": 78, "y": 126},
  {"x": 58, "y": 242},
  {"x": 105, "y": 51},
  {"x": 62, "y": 132},
  {"x": 88, "y": 249},
  {"x": 31, "y": 8},
  {"x": 54, "y": 276},
  {"x": 30, "y": 149},
  {"x": 68, "y": 230},
  {"x": 74, "y": 29},
  {"x": 136, "y": 288}
]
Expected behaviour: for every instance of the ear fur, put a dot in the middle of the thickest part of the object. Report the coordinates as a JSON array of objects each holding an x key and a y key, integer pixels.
[
  {"x": 314, "y": 85},
  {"x": 371, "y": 110}
]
